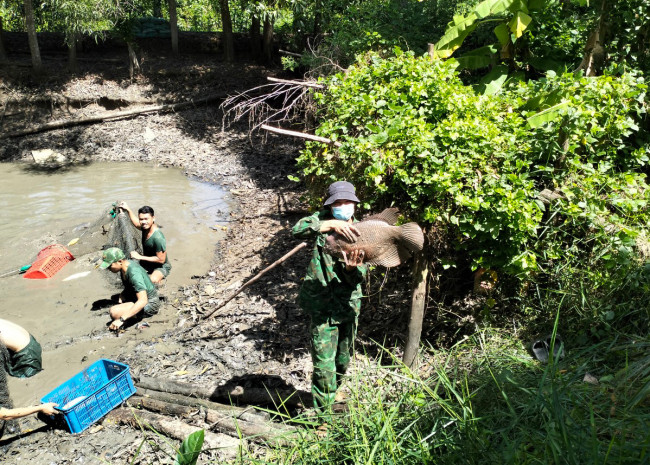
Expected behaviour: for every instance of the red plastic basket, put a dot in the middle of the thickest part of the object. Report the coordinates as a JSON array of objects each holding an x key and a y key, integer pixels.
[{"x": 48, "y": 262}]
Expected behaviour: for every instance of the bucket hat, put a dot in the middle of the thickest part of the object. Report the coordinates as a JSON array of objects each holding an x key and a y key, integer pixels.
[
  {"x": 110, "y": 256},
  {"x": 340, "y": 190}
]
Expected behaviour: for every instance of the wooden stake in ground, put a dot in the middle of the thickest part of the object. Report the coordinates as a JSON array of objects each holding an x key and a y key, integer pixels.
[{"x": 418, "y": 303}]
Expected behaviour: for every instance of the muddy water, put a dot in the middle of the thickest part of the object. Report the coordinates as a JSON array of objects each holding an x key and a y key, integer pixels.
[{"x": 39, "y": 209}]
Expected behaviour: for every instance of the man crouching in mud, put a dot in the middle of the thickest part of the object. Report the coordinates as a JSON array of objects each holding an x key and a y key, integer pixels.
[
  {"x": 331, "y": 293},
  {"x": 20, "y": 356},
  {"x": 139, "y": 298},
  {"x": 154, "y": 246}
]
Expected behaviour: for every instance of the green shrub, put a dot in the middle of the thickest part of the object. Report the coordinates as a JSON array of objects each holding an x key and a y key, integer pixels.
[{"x": 414, "y": 135}]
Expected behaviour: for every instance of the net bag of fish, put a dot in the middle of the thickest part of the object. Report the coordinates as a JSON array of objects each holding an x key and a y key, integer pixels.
[{"x": 111, "y": 229}]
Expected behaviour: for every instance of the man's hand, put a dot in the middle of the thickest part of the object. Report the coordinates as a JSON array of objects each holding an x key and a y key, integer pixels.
[
  {"x": 48, "y": 408},
  {"x": 343, "y": 228},
  {"x": 124, "y": 206},
  {"x": 135, "y": 255},
  {"x": 115, "y": 325},
  {"x": 354, "y": 259}
]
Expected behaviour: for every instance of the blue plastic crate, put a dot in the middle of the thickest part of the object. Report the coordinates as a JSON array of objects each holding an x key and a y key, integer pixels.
[{"x": 91, "y": 394}]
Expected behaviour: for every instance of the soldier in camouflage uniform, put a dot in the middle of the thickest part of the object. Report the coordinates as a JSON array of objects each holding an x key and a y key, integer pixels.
[{"x": 331, "y": 292}]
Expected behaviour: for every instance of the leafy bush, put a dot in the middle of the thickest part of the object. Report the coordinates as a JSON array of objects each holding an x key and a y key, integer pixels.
[{"x": 414, "y": 135}]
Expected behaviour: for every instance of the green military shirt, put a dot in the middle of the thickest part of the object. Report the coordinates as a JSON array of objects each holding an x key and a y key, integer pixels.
[
  {"x": 329, "y": 291},
  {"x": 150, "y": 248},
  {"x": 136, "y": 279}
]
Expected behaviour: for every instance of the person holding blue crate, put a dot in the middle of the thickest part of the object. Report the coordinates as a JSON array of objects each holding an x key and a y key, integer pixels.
[
  {"x": 139, "y": 298},
  {"x": 16, "y": 361}
]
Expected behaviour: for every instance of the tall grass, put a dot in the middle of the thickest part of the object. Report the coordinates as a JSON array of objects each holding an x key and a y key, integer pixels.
[{"x": 486, "y": 400}]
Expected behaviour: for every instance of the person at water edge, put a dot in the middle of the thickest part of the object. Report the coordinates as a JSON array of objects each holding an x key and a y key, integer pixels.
[
  {"x": 331, "y": 292},
  {"x": 25, "y": 353},
  {"x": 20, "y": 356},
  {"x": 139, "y": 298},
  {"x": 154, "y": 246}
]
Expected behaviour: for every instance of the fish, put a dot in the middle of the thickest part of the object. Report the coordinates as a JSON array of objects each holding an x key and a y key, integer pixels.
[
  {"x": 380, "y": 241},
  {"x": 77, "y": 275}
]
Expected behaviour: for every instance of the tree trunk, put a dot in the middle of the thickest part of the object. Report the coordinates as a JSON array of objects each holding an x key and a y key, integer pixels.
[
  {"x": 173, "y": 24},
  {"x": 3, "y": 52},
  {"x": 30, "y": 25},
  {"x": 593, "y": 60},
  {"x": 134, "y": 64},
  {"x": 255, "y": 38},
  {"x": 222, "y": 422},
  {"x": 157, "y": 8},
  {"x": 228, "y": 44},
  {"x": 267, "y": 39},
  {"x": 73, "y": 65},
  {"x": 418, "y": 304},
  {"x": 245, "y": 413},
  {"x": 232, "y": 393}
]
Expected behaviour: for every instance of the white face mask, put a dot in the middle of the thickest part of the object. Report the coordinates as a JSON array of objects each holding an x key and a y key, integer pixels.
[{"x": 343, "y": 212}]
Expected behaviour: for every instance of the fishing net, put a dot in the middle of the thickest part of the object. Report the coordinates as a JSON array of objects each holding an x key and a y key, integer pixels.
[{"x": 110, "y": 229}]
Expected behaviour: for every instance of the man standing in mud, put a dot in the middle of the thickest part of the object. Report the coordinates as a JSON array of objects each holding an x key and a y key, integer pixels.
[
  {"x": 154, "y": 246},
  {"x": 331, "y": 293},
  {"x": 139, "y": 298}
]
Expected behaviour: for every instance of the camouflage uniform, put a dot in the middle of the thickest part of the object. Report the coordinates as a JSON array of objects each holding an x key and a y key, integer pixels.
[{"x": 331, "y": 296}]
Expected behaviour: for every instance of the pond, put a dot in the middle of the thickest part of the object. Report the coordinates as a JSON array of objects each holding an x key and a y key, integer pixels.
[{"x": 41, "y": 208}]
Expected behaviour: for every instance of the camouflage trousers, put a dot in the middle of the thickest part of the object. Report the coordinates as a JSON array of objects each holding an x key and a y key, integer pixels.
[{"x": 331, "y": 349}]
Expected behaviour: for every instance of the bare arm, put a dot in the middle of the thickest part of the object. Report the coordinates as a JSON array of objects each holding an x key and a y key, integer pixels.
[
  {"x": 135, "y": 308},
  {"x": 344, "y": 228},
  {"x": 160, "y": 257},
  {"x": 11, "y": 413},
  {"x": 132, "y": 216}
]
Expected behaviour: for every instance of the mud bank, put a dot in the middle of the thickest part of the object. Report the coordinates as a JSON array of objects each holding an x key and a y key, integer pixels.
[{"x": 259, "y": 339}]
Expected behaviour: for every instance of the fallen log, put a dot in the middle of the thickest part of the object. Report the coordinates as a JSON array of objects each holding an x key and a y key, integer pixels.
[
  {"x": 166, "y": 408},
  {"x": 236, "y": 394},
  {"x": 227, "y": 446},
  {"x": 222, "y": 422},
  {"x": 245, "y": 413},
  {"x": 106, "y": 116}
]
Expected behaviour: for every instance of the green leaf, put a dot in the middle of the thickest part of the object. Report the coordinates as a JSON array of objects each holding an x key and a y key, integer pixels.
[
  {"x": 545, "y": 116},
  {"x": 293, "y": 178},
  {"x": 190, "y": 449},
  {"x": 519, "y": 23},
  {"x": 379, "y": 138},
  {"x": 474, "y": 61},
  {"x": 493, "y": 81},
  {"x": 501, "y": 31}
]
